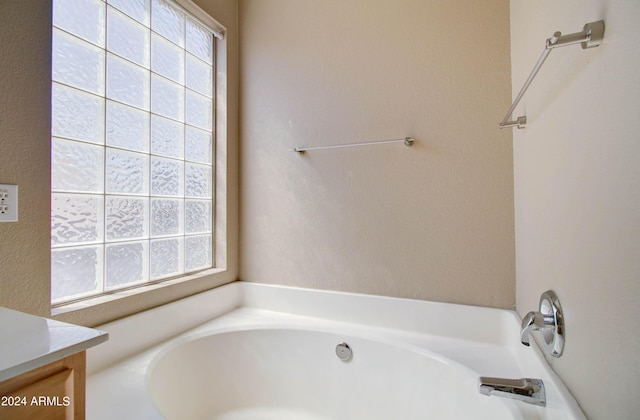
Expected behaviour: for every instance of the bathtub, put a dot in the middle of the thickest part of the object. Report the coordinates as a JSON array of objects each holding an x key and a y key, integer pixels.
[{"x": 248, "y": 351}]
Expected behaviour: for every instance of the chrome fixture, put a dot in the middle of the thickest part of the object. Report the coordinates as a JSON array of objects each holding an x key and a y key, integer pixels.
[
  {"x": 408, "y": 141},
  {"x": 528, "y": 390},
  {"x": 549, "y": 320},
  {"x": 343, "y": 351},
  {"x": 591, "y": 36}
]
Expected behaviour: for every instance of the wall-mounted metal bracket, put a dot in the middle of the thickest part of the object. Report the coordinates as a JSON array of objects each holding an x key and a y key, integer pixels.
[{"x": 591, "y": 36}]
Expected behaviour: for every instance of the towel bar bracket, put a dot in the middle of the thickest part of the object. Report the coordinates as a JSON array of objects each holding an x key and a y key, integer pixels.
[
  {"x": 521, "y": 122},
  {"x": 591, "y": 36}
]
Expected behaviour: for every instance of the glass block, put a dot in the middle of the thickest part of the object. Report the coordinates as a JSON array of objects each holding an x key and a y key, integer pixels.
[
  {"x": 198, "y": 253},
  {"x": 197, "y": 217},
  {"x": 75, "y": 271},
  {"x": 166, "y": 217},
  {"x": 127, "y": 82},
  {"x": 197, "y": 180},
  {"x": 199, "y": 110},
  {"x": 167, "y": 258},
  {"x": 126, "y": 263},
  {"x": 76, "y": 166},
  {"x": 199, "y": 41},
  {"x": 198, "y": 145},
  {"x": 137, "y": 9},
  {"x": 76, "y": 218},
  {"x": 167, "y": 137},
  {"x": 199, "y": 76},
  {"x": 127, "y": 172},
  {"x": 84, "y": 18},
  {"x": 77, "y": 63},
  {"x": 76, "y": 114},
  {"x": 168, "y": 21},
  {"x": 126, "y": 217},
  {"x": 166, "y": 177},
  {"x": 167, "y": 98},
  {"x": 127, "y": 38},
  {"x": 167, "y": 59},
  {"x": 127, "y": 127}
]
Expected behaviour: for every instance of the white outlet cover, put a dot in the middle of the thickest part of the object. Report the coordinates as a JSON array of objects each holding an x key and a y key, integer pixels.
[{"x": 8, "y": 200}]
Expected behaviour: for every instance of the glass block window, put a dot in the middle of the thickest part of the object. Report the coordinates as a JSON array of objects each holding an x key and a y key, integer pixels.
[{"x": 132, "y": 145}]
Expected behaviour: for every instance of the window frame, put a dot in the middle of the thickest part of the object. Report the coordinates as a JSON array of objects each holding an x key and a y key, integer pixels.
[{"x": 218, "y": 182}]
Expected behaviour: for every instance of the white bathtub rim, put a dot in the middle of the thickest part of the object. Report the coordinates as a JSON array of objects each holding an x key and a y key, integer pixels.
[
  {"x": 232, "y": 321},
  {"x": 286, "y": 321},
  {"x": 237, "y": 297},
  {"x": 125, "y": 341},
  {"x": 361, "y": 308}
]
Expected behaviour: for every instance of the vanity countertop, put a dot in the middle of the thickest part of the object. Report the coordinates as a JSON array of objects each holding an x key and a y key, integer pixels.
[{"x": 28, "y": 342}]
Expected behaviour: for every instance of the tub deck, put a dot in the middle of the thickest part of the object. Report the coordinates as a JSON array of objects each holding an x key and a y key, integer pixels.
[{"x": 457, "y": 334}]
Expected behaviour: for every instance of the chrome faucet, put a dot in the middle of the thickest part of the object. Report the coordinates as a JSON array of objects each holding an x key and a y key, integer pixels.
[
  {"x": 549, "y": 321},
  {"x": 535, "y": 321},
  {"x": 528, "y": 390}
]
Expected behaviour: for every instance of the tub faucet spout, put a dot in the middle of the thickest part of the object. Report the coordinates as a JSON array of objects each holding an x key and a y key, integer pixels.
[{"x": 527, "y": 390}]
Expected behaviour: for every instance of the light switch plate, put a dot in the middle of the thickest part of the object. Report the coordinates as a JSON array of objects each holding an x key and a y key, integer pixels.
[{"x": 8, "y": 203}]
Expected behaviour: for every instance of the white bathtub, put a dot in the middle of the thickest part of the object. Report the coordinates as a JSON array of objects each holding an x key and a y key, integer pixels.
[{"x": 265, "y": 352}]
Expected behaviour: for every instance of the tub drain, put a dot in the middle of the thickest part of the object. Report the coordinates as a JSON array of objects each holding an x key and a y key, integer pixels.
[{"x": 343, "y": 351}]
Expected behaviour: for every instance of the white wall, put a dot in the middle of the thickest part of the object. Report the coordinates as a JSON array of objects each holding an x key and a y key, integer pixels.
[
  {"x": 577, "y": 193},
  {"x": 434, "y": 221}
]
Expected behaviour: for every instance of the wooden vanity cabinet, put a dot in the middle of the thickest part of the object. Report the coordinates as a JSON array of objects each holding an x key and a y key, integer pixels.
[{"x": 50, "y": 392}]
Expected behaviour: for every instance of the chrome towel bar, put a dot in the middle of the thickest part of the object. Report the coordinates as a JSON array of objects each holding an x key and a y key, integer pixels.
[
  {"x": 408, "y": 141},
  {"x": 591, "y": 36}
]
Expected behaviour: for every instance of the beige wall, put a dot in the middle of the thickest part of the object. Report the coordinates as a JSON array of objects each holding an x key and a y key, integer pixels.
[
  {"x": 432, "y": 222},
  {"x": 577, "y": 194},
  {"x": 25, "y": 131},
  {"x": 25, "y": 84}
]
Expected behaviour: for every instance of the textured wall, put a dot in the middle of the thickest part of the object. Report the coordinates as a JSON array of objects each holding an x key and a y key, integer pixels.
[
  {"x": 25, "y": 85},
  {"x": 577, "y": 194},
  {"x": 25, "y": 130},
  {"x": 434, "y": 221}
]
